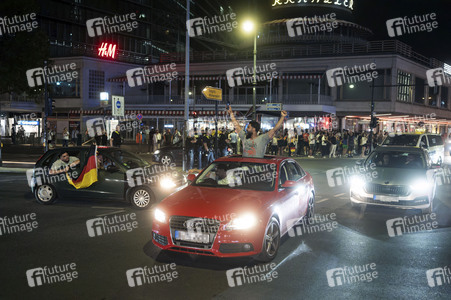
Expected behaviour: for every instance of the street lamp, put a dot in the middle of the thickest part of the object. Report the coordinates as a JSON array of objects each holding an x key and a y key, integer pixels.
[{"x": 249, "y": 27}]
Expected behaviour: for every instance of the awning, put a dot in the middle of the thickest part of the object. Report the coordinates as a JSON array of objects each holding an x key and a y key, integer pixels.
[
  {"x": 153, "y": 113},
  {"x": 191, "y": 78}
]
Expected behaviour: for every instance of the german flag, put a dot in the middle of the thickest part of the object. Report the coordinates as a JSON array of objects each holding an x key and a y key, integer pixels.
[{"x": 89, "y": 174}]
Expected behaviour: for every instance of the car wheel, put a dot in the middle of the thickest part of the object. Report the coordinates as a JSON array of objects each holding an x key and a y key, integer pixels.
[
  {"x": 45, "y": 194},
  {"x": 271, "y": 241},
  {"x": 141, "y": 197},
  {"x": 166, "y": 160},
  {"x": 310, "y": 209}
]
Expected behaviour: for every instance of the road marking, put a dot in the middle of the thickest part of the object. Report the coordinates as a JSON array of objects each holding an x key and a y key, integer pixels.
[
  {"x": 111, "y": 213},
  {"x": 107, "y": 207},
  {"x": 322, "y": 200},
  {"x": 302, "y": 248},
  {"x": 338, "y": 195}
]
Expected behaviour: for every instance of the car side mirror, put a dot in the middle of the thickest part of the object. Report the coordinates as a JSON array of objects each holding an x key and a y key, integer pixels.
[
  {"x": 424, "y": 146},
  {"x": 289, "y": 184},
  {"x": 191, "y": 178}
]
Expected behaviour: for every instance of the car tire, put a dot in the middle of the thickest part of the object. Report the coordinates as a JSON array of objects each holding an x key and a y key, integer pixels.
[
  {"x": 310, "y": 214},
  {"x": 166, "y": 159},
  {"x": 45, "y": 194},
  {"x": 141, "y": 197},
  {"x": 271, "y": 241}
]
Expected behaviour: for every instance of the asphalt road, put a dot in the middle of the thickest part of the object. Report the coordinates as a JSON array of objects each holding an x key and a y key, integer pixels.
[{"x": 358, "y": 238}]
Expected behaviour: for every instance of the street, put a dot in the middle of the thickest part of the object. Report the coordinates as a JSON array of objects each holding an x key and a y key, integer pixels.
[{"x": 359, "y": 237}]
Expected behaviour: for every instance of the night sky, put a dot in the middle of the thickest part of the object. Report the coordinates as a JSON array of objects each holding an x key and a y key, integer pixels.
[{"x": 373, "y": 14}]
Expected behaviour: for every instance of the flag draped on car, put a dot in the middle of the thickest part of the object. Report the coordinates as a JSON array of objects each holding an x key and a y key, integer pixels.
[{"x": 89, "y": 173}]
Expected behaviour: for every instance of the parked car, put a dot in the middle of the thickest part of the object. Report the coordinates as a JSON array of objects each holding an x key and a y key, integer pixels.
[
  {"x": 403, "y": 177},
  {"x": 236, "y": 207},
  {"x": 125, "y": 176},
  {"x": 168, "y": 155},
  {"x": 432, "y": 143}
]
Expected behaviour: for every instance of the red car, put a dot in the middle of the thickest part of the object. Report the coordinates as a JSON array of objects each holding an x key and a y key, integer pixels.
[{"x": 235, "y": 207}]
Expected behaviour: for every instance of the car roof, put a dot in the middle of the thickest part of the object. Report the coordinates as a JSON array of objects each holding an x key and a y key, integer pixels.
[
  {"x": 416, "y": 134},
  {"x": 398, "y": 148},
  {"x": 268, "y": 159},
  {"x": 79, "y": 148}
]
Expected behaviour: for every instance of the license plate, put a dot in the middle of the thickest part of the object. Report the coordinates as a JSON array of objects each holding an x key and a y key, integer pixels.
[
  {"x": 192, "y": 236},
  {"x": 385, "y": 198}
]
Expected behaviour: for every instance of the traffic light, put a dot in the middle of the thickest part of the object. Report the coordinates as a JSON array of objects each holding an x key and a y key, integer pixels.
[
  {"x": 374, "y": 122},
  {"x": 195, "y": 114}
]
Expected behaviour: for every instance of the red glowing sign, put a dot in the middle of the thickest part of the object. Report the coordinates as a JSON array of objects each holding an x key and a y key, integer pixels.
[{"x": 107, "y": 50}]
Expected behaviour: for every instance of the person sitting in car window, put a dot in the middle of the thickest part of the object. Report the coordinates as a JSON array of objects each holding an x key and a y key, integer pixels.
[
  {"x": 64, "y": 163},
  {"x": 385, "y": 161}
]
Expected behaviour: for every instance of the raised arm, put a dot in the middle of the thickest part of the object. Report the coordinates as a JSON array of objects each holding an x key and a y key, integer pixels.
[
  {"x": 234, "y": 121},
  {"x": 279, "y": 124}
]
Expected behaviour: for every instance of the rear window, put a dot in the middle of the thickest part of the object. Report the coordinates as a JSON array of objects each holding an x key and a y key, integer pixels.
[
  {"x": 402, "y": 140},
  {"x": 435, "y": 140}
]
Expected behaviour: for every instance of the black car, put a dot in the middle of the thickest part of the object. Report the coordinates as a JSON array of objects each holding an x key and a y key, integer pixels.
[{"x": 121, "y": 176}]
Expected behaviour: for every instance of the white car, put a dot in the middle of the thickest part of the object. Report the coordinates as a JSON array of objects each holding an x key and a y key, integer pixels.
[{"x": 400, "y": 177}]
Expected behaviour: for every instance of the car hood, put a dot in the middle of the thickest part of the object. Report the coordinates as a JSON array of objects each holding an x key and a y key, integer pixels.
[
  {"x": 397, "y": 176},
  {"x": 208, "y": 202}
]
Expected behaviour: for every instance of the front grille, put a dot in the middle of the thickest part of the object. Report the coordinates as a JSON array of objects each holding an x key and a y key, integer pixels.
[
  {"x": 160, "y": 239},
  {"x": 198, "y": 225},
  {"x": 379, "y": 189},
  {"x": 417, "y": 201}
]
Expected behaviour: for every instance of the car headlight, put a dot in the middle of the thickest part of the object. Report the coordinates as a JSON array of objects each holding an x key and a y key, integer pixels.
[
  {"x": 242, "y": 222},
  {"x": 160, "y": 216},
  {"x": 420, "y": 186},
  {"x": 167, "y": 183},
  {"x": 357, "y": 184},
  {"x": 157, "y": 152}
]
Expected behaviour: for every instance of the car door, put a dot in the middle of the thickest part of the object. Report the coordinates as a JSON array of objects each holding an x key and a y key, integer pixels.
[
  {"x": 110, "y": 182},
  {"x": 288, "y": 199}
]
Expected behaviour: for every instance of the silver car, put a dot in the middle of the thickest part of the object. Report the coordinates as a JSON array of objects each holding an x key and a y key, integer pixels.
[{"x": 399, "y": 177}]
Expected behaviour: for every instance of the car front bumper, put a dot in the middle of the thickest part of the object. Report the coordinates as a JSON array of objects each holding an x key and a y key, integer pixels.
[
  {"x": 235, "y": 243},
  {"x": 412, "y": 201}
]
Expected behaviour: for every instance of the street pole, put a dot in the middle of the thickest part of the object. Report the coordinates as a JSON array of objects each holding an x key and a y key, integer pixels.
[
  {"x": 254, "y": 92},
  {"x": 372, "y": 117},
  {"x": 46, "y": 109},
  {"x": 185, "y": 129}
]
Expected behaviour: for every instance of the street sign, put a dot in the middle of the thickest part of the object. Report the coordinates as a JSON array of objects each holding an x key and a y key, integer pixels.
[
  {"x": 118, "y": 106},
  {"x": 274, "y": 106},
  {"x": 139, "y": 116},
  {"x": 212, "y": 93}
]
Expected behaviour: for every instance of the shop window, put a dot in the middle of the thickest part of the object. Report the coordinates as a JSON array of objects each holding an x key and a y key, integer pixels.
[
  {"x": 404, "y": 83},
  {"x": 444, "y": 97},
  {"x": 96, "y": 83}
]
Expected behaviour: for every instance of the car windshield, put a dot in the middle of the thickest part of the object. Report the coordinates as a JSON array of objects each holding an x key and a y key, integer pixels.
[
  {"x": 127, "y": 159},
  {"x": 397, "y": 159},
  {"x": 402, "y": 140},
  {"x": 239, "y": 175}
]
